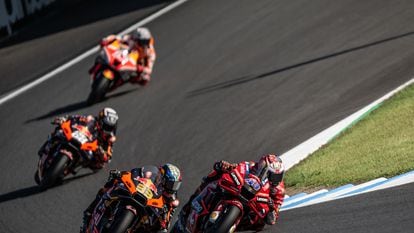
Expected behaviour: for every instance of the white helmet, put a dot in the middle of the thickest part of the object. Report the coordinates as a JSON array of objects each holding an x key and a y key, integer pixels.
[
  {"x": 142, "y": 35},
  {"x": 108, "y": 120}
]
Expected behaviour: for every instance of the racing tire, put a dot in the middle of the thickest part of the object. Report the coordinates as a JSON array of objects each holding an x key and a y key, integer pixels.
[
  {"x": 122, "y": 222},
  {"x": 36, "y": 177},
  {"x": 99, "y": 88},
  {"x": 224, "y": 223},
  {"x": 176, "y": 226},
  {"x": 54, "y": 172},
  {"x": 175, "y": 229}
]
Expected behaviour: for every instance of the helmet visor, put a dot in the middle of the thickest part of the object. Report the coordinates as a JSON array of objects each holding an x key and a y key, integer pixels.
[
  {"x": 262, "y": 170},
  {"x": 275, "y": 178},
  {"x": 172, "y": 185},
  {"x": 108, "y": 128},
  {"x": 144, "y": 42}
]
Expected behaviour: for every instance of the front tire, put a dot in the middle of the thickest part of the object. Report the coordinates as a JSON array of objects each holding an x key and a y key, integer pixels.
[
  {"x": 99, "y": 88},
  {"x": 225, "y": 221},
  {"x": 54, "y": 172},
  {"x": 177, "y": 225},
  {"x": 122, "y": 222},
  {"x": 36, "y": 177}
]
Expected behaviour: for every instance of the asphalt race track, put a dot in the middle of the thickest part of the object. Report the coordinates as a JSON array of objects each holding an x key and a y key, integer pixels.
[
  {"x": 233, "y": 79},
  {"x": 58, "y": 35},
  {"x": 387, "y": 210}
]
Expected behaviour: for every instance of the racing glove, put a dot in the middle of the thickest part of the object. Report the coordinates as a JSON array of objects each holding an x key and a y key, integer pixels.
[
  {"x": 58, "y": 120},
  {"x": 107, "y": 40},
  {"x": 114, "y": 174},
  {"x": 140, "y": 68},
  {"x": 224, "y": 166}
]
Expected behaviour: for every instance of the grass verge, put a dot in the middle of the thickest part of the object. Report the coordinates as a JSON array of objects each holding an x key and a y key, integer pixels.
[{"x": 379, "y": 145}]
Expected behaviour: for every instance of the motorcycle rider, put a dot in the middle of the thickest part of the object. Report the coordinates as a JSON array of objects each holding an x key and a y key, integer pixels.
[
  {"x": 167, "y": 179},
  {"x": 102, "y": 126},
  {"x": 269, "y": 168},
  {"x": 142, "y": 41}
]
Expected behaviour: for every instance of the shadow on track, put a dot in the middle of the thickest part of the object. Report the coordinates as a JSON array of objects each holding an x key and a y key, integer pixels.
[
  {"x": 75, "y": 106},
  {"x": 67, "y": 14},
  {"x": 33, "y": 190},
  {"x": 253, "y": 77}
]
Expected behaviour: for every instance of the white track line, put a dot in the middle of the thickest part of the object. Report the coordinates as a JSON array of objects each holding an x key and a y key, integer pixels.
[{"x": 91, "y": 51}]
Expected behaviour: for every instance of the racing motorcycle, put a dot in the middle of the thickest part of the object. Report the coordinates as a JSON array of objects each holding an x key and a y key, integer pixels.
[
  {"x": 113, "y": 66},
  {"x": 236, "y": 201},
  {"x": 73, "y": 148},
  {"x": 130, "y": 205}
]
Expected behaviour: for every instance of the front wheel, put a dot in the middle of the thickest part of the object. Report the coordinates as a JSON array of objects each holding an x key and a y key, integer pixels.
[
  {"x": 99, "y": 88},
  {"x": 122, "y": 222},
  {"x": 54, "y": 172},
  {"x": 226, "y": 221},
  {"x": 177, "y": 227}
]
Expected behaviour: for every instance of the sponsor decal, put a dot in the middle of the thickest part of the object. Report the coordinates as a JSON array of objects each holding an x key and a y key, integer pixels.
[
  {"x": 196, "y": 206},
  {"x": 253, "y": 183},
  {"x": 262, "y": 199},
  {"x": 12, "y": 11},
  {"x": 236, "y": 180}
]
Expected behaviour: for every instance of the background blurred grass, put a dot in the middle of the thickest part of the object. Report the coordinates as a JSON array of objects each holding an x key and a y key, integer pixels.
[{"x": 381, "y": 144}]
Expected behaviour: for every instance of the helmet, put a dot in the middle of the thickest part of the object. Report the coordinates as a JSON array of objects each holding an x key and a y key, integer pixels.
[
  {"x": 108, "y": 119},
  {"x": 271, "y": 167},
  {"x": 171, "y": 177},
  {"x": 142, "y": 36}
]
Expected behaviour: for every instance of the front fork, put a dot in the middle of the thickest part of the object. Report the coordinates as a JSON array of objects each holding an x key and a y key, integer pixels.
[
  {"x": 221, "y": 206},
  {"x": 48, "y": 158},
  {"x": 44, "y": 153}
]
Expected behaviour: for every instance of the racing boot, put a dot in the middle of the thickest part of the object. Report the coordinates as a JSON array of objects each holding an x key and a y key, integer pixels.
[
  {"x": 144, "y": 81},
  {"x": 271, "y": 217}
]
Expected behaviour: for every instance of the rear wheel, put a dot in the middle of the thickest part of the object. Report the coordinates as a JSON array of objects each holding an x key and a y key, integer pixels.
[
  {"x": 227, "y": 219},
  {"x": 99, "y": 88},
  {"x": 54, "y": 172},
  {"x": 122, "y": 222}
]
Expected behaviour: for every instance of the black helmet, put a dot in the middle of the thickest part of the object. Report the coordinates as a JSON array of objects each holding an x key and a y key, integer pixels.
[
  {"x": 108, "y": 119},
  {"x": 142, "y": 36},
  {"x": 171, "y": 177}
]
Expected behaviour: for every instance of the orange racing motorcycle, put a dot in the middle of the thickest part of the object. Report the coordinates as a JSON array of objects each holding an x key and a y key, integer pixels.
[
  {"x": 113, "y": 67},
  {"x": 130, "y": 205},
  {"x": 73, "y": 146}
]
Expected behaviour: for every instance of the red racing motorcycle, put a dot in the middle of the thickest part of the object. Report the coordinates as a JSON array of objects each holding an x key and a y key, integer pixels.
[
  {"x": 113, "y": 67},
  {"x": 237, "y": 201}
]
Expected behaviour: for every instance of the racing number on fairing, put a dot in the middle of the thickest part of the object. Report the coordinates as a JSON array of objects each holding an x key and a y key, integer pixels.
[
  {"x": 144, "y": 190},
  {"x": 80, "y": 137}
]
